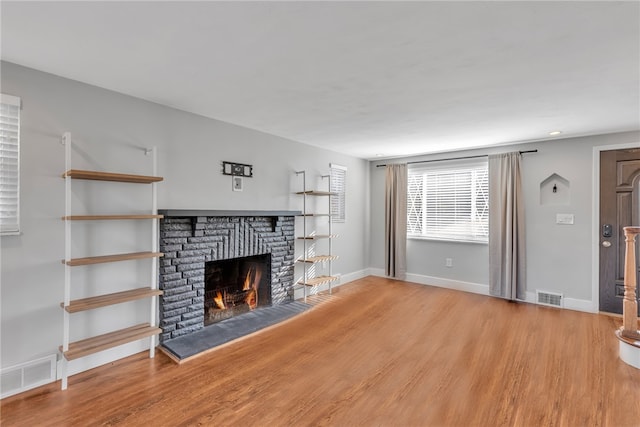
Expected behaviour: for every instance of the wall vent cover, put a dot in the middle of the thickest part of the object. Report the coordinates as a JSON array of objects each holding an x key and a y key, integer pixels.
[
  {"x": 551, "y": 299},
  {"x": 28, "y": 375}
]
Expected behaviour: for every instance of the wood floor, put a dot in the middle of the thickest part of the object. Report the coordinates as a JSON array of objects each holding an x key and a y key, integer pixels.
[{"x": 377, "y": 353}]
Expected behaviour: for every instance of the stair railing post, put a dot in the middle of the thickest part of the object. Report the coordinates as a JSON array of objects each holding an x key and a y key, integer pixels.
[{"x": 630, "y": 303}]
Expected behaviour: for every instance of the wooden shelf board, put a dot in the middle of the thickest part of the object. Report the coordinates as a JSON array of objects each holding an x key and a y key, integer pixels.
[
  {"x": 109, "y": 217},
  {"x": 112, "y": 339},
  {"x": 319, "y": 258},
  {"x": 111, "y": 258},
  {"x": 109, "y": 176},
  {"x": 318, "y": 236},
  {"x": 317, "y": 193},
  {"x": 109, "y": 299},
  {"x": 320, "y": 280}
]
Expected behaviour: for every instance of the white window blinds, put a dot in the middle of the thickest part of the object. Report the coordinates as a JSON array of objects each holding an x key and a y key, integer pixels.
[
  {"x": 338, "y": 186},
  {"x": 449, "y": 203},
  {"x": 9, "y": 164}
]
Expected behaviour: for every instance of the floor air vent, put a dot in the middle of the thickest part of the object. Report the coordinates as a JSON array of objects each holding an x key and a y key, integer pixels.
[
  {"x": 549, "y": 298},
  {"x": 28, "y": 375}
]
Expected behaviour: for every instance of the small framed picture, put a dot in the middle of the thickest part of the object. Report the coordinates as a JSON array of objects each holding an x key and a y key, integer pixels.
[{"x": 237, "y": 183}]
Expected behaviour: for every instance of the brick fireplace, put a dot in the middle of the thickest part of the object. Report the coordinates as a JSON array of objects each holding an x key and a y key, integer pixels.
[{"x": 191, "y": 238}]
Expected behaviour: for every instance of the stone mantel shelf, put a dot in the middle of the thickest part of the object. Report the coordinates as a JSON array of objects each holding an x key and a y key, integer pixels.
[{"x": 204, "y": 212}]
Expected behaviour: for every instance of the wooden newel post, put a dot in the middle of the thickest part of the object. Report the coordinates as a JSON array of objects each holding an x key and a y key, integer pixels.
[{"x": 630, "y": 303}]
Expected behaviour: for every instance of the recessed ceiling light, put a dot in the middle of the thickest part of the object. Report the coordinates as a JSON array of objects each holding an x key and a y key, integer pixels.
[
  {"x": 379, "y": 155},
  {"x": 555, "y": 133}
]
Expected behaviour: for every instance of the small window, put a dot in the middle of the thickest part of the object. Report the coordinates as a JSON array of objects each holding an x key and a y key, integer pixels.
[
  {"x": 9, "y": 164},
  {"x": 449, "y": 203},
  {"x": 338, "y": 186}
]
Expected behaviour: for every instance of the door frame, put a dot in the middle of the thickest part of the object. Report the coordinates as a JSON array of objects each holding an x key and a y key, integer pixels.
[{"x": 595, "y": 215}]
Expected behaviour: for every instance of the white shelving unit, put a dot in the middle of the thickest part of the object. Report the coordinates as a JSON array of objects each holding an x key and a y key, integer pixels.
[
  {"x": 316, "y": 262},
  {"x": 91, "y": 345}
]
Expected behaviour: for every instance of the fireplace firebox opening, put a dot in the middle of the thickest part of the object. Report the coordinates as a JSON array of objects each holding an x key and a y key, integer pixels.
[{"x": 236, "y": 286}]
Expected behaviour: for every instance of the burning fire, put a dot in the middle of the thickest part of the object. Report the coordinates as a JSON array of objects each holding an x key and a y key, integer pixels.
[
  {"x": 251, "y": 282},
  {"x": 219, "y": 300},
  {"x": 252, "y": 299},
  {"x": 249, "y": 293}
]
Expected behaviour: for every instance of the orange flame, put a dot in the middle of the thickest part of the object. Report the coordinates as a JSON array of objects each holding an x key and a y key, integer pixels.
[
  {"x": 247, "y": 280},
  {"x": 251, "y": 282},
  {"x": 219, "y": 301}
]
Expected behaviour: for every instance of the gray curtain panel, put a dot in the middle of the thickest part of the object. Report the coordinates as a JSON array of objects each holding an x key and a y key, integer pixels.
[
  {"x": 395, "y": 229},
  {"x": 507, "y": 266}
]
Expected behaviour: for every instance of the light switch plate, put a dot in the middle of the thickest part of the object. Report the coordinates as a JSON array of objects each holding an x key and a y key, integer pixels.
[{"x": 564, "y": 219}]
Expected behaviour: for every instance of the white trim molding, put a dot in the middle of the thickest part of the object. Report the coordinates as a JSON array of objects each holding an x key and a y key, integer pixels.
[
  {"x": 350, "y": 277},
  {"x": 474, "y": 288},
  {"x": 439, "y": 282},
  {"x": 478, "y": 288}
]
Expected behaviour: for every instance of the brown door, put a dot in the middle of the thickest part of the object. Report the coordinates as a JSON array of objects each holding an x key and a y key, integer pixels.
[{"x": 619, "y": 207}]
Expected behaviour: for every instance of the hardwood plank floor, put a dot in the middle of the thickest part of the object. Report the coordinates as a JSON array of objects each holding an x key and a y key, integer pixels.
[{"x": 378, "y": 352}]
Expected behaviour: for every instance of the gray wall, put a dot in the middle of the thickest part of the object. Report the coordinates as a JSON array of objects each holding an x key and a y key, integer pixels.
[
  {"x": 559, "y": 257},
  {"x": 109, "y": 131}
]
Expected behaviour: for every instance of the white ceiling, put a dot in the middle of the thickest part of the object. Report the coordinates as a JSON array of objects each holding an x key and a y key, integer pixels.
[{"x": 362, "y": 78}]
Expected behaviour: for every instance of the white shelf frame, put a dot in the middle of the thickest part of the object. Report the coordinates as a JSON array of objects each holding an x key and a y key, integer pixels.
[
  {"x": 307, "y": 241},
  {"x": 67, "y": 142}
]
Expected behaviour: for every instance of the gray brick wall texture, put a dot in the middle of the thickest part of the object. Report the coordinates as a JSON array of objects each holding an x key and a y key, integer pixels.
[{"x": 189, "y": 242}]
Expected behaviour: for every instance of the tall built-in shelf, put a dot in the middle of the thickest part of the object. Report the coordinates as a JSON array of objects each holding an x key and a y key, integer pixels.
[
  {"x": 95, "y": 344},
  {"x": 317, "y": 256}
]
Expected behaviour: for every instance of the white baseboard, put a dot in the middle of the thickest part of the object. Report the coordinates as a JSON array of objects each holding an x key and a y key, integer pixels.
[
  {"x": 350, "y": 277},
  {"x": 376, "y": 272},
  {"x": 531, "y": 297},
  {"x": 580, "y": 305},
  {"x": 439, "y": 282},
  {"x": 568, "y": 303},
  {"x": 457, "y": 285},
  {"x": 104, "y": 357},
  {"x": 477, "y": 288}
]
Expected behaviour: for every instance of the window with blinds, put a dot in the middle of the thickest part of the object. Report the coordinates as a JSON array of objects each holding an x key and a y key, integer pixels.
[
  {"x": 9, "y": 164},
  {"x": 338, "y": 185},
  {"x": 449, "y": 203}
]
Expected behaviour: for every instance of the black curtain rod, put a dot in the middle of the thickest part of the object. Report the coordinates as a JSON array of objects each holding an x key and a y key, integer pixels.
[{"x": 457, "y": 158}]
